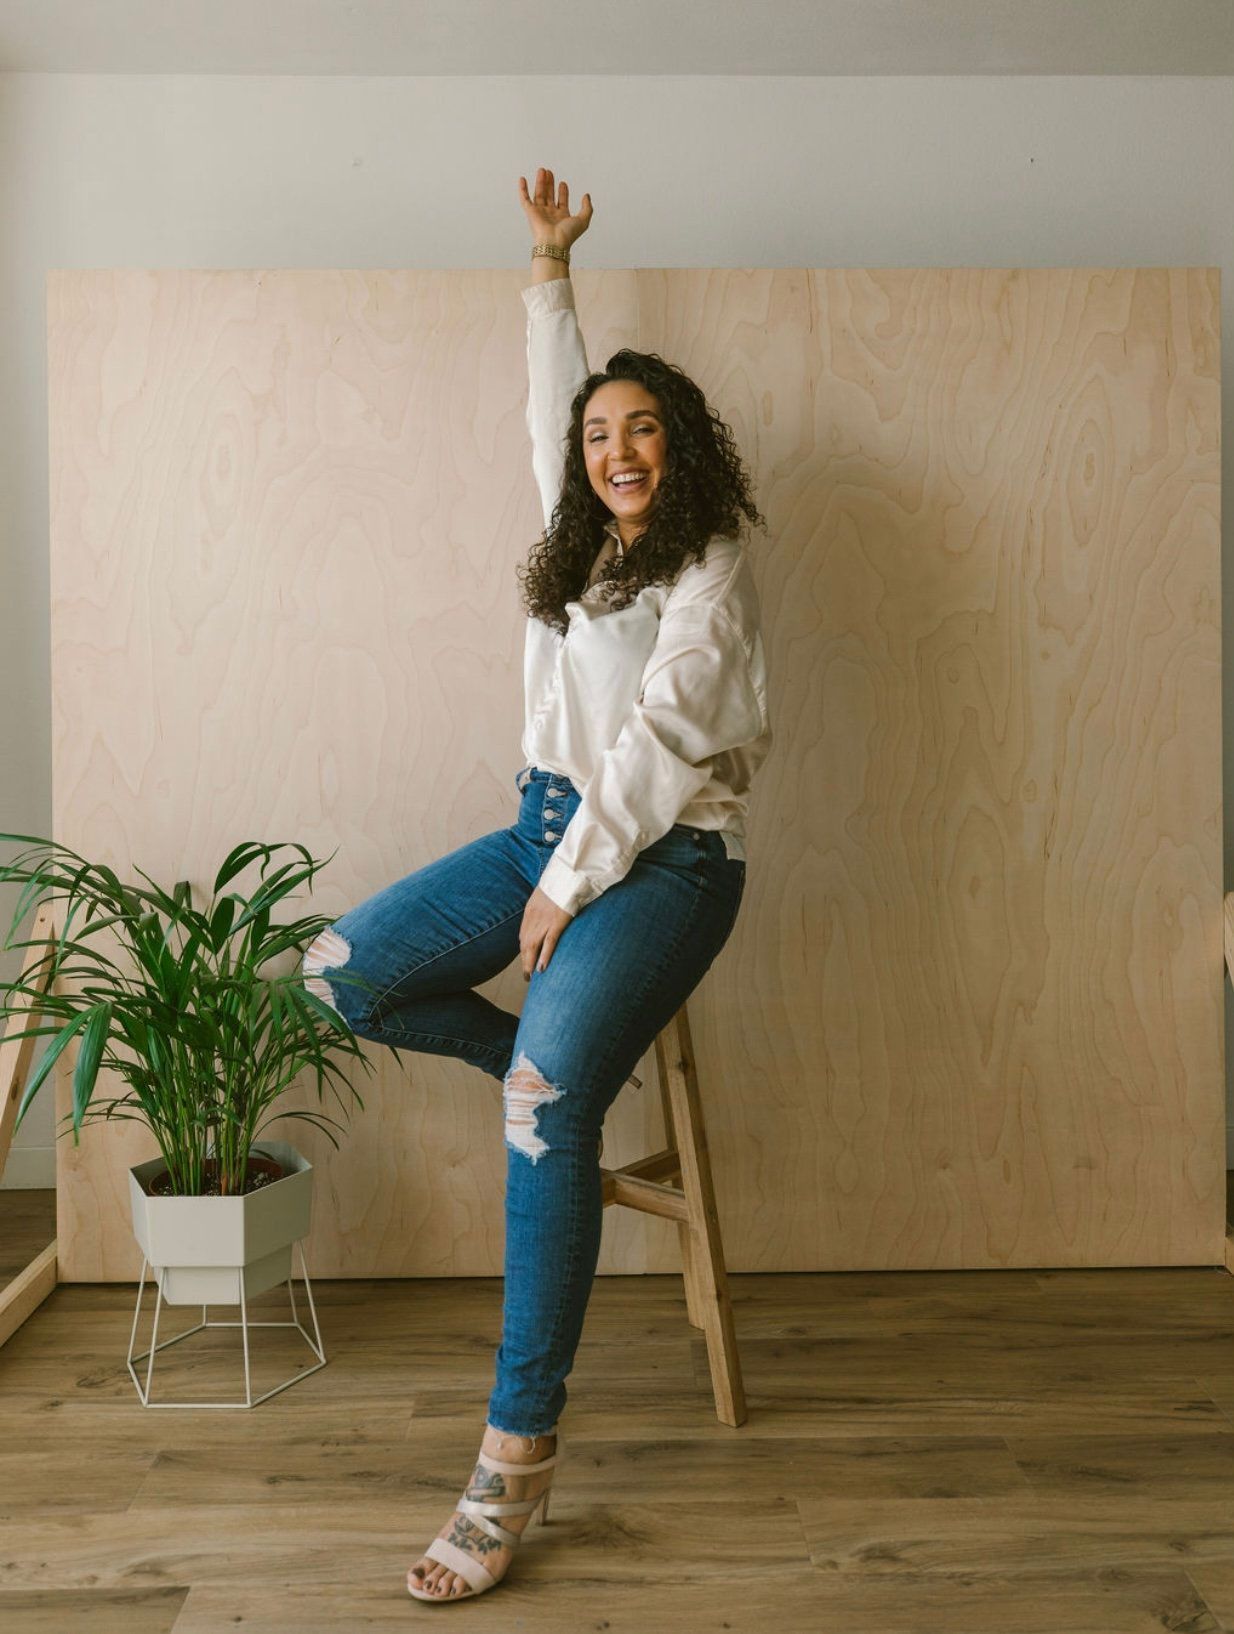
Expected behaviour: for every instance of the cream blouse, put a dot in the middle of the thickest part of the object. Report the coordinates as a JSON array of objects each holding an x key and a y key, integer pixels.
[{"x": 656, "y": 712}]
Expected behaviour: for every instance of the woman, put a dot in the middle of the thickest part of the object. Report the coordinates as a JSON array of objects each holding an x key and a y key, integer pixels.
[{"x": 619, "y": 883}]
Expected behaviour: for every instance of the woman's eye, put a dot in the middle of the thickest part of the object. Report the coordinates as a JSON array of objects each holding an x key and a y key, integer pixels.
[{"x": 599, "y": 436}]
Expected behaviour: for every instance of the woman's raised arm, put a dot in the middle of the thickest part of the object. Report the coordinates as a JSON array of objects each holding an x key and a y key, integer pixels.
[{"x": 556, "y": 356}]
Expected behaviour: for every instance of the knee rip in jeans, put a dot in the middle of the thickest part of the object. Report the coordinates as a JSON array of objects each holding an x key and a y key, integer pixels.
[
  {"x": 330, "y": 950},
  {"x": 525, "y": 1090}
]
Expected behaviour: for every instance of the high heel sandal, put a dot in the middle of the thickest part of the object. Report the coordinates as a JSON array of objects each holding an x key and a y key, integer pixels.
[{"x": 476, "y": 1576}]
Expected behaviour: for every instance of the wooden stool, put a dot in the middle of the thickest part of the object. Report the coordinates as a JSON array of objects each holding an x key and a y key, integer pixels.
[{"x": 641, "y": 1186}]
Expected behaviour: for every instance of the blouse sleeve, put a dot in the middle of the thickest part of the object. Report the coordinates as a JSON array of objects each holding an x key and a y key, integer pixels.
[
  {"x": 697, "y": 698},
  {"x": 556, "y": 368}
]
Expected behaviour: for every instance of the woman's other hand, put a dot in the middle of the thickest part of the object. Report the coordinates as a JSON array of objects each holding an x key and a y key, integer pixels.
[
  {"x": 543, "y": 923},
  {"x": 548, "y": 213}
]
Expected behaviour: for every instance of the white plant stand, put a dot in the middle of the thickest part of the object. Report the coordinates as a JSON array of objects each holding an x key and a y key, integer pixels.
[
  {"x": 223, "y": 1251},
  {"x": 244, "y": 1324}
]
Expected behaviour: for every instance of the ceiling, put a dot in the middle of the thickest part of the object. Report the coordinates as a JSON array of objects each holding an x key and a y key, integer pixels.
[{"x": 633, "y": 37}]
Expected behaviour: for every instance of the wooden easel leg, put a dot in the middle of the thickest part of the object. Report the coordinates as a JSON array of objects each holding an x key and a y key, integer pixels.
[
  {"x": 27, "y": 1291},
  {"x": 16, "y": 1054},
  {"x": 675, "y": 1059}
]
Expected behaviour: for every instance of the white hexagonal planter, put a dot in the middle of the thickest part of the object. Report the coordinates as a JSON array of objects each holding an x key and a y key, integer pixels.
[
  {"x": 204, "y": 1250},
  {"x": 224, "y": 1251}
]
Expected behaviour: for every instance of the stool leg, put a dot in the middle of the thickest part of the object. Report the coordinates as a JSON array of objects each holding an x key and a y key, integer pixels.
[
  {"x": 685, "y": 1231},
  {"x": 675, "y": 1059}
]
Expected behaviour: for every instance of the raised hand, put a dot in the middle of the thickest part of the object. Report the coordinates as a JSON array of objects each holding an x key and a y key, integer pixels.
[{"x": 548, "y": 212}]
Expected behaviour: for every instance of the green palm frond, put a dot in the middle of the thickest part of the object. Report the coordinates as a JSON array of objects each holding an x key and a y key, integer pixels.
[{"x": 203, "y": 1042}]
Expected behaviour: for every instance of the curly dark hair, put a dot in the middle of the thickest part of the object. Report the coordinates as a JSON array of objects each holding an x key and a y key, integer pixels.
[{"x": 703, "y": 491}]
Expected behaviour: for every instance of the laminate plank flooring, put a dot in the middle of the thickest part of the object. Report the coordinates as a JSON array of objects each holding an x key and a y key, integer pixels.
[{"x": 1045, "y": 1452}]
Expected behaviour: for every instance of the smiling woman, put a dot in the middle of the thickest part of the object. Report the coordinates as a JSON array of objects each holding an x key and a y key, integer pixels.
[{"x": 645, "y": 719}]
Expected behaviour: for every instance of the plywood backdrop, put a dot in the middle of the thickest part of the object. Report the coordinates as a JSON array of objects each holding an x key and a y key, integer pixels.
[{"x": 971, "y": 1012}]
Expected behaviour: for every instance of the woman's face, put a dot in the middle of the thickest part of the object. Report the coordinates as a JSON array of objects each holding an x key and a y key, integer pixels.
[{"x": 624, "y": 434}]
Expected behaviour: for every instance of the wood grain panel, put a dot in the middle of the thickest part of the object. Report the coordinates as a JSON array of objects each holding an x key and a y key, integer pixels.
[{"x": 970, "y": 1016}]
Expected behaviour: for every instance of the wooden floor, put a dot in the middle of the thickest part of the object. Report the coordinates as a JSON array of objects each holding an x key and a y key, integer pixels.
[{"x": 958, "y": 1452}]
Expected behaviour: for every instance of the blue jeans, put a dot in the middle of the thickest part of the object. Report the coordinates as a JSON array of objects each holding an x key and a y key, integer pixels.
[{"x": 621, "y": 969}]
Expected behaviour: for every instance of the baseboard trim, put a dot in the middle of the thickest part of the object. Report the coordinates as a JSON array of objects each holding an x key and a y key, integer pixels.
[{"x": 27, "y": 1291}]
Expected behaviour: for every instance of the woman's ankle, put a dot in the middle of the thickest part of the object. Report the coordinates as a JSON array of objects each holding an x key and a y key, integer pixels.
[{"x": 518, "y": 1448}]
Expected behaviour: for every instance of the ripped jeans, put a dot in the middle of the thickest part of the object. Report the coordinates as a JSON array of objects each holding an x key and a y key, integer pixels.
[{"x": 621, "y": 969}]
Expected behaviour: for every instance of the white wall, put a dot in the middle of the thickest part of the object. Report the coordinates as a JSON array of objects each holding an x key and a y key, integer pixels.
[{"x": 249, "y": 171}]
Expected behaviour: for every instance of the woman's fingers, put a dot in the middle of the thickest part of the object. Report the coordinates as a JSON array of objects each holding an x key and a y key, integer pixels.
[
  {"x": 531, "y": 203},
  {"x": 551, "y": 195},
  {"x": 531, "y": 954},
  {"x": 543, "y": 195}
]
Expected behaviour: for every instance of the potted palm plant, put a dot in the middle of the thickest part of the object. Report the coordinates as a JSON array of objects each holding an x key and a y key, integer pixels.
[{"x": 205, "y": 1040}]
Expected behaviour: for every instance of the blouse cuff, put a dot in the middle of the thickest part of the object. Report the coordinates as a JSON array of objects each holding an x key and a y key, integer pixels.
[
  {"x": 553, "y": 295},
  {"x": 566, "y": 886}
]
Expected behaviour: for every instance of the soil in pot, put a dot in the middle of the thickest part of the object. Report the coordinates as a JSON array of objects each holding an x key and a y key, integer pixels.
[{"x": 262, "y": 1171}]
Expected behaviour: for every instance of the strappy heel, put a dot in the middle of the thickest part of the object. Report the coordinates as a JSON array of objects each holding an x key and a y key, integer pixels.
[{"x": 481, "y": 1515}]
